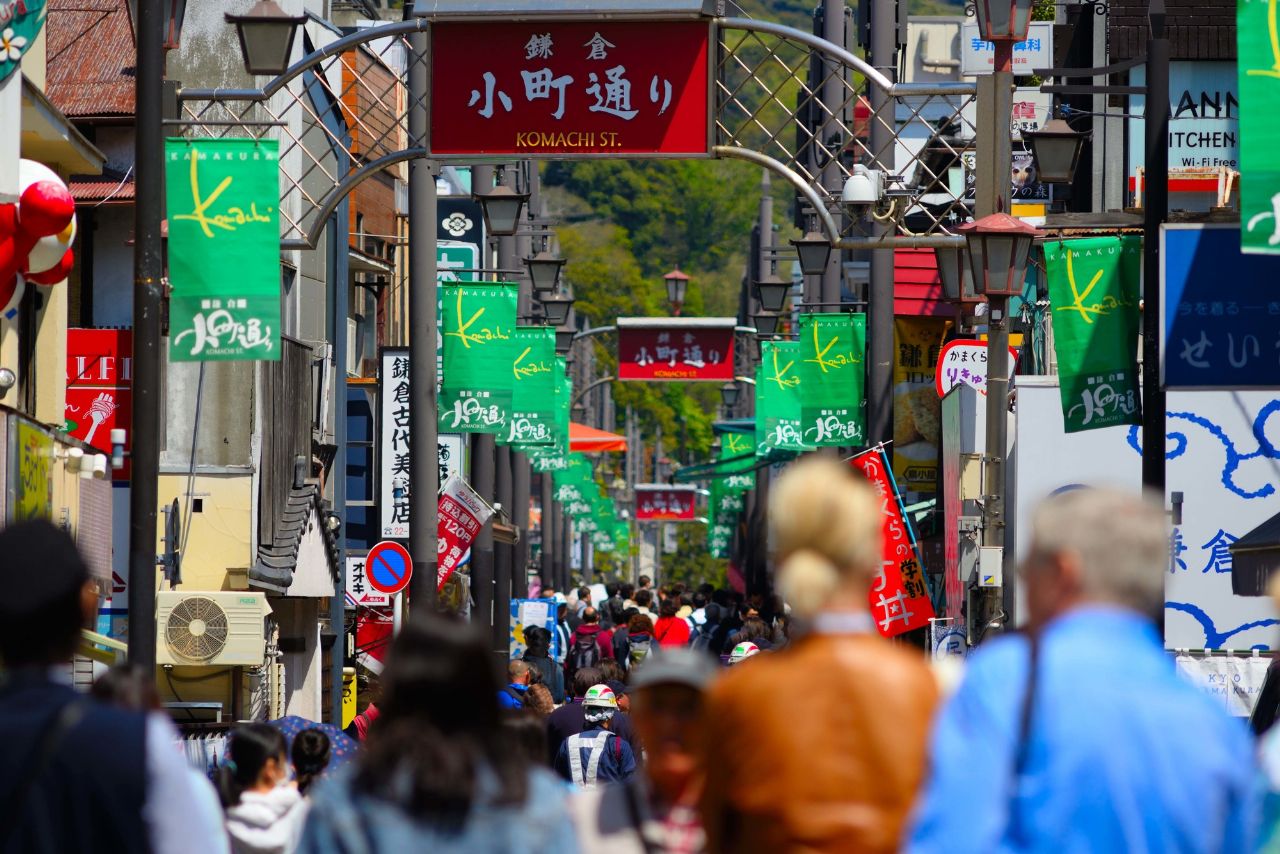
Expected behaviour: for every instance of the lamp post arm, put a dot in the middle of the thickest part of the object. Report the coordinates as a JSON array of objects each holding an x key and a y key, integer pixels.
[
  {"x": 591, "y": 333},
  {"x": 593, "y": 385}
]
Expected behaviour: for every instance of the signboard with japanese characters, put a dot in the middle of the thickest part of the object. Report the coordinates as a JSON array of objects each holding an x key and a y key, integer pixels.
[
  {"x": 899, "y": 596},
  {"x": 685, "y": 349},
  {"x": 571, "y": 89},
  {"x": 965, "y": 361},
  {"x": 1221, "y": 310},
  {"x": 917, "y": 411},
  {"x": 656, "y": 503},
  {"x": 99, "y": 388},
  {"x": 1035, "y": 54},
  {"x": 462, "y": 514},
  {"x": 359, "y": 593}
]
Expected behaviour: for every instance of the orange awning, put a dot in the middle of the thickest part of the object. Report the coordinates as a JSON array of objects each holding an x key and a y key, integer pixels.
[{"x": 591, "y": 440}]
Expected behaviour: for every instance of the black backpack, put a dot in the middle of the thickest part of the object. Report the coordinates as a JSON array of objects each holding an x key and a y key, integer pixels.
[{"x": 584, "y": 653}]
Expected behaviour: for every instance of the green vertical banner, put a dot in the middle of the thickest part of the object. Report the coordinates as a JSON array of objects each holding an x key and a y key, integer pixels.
[
  {"x": 222, "y": 203},
  {"x": 533, "y": 394},
  {"x": 478, "y": 324},
  {"x": 778, "y": 424},
  {"x": 833, "y": 379},
  {"x": 739, "y": 475},
  {"x": 1258, "y": 59},
  {"x": 1093, "y": 290}
]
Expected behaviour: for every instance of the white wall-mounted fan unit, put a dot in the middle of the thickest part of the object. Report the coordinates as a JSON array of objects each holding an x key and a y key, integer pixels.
[{"x": 216, "y": 628}]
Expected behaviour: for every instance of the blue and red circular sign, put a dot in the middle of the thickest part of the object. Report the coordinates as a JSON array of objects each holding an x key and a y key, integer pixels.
[{"x": 388, "y": 567}]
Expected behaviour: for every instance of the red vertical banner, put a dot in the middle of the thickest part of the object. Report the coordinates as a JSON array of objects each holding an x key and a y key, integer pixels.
[
  {"x": 99, "y": 387},
  {"x": 462, "y": 514},
  {"x": 899, "y": 597}
]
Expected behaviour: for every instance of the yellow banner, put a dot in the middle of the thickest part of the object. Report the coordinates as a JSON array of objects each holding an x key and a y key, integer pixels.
[
  {"x": 348, "y": 696},
  {"x": 917, "y": 411},
  {"x": 34, "y": 492}
]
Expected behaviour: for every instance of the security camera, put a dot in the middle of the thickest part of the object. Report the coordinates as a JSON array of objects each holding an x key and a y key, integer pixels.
[
  {"x": 8, "y": 379},
  {"x": 863, "y": 189}
]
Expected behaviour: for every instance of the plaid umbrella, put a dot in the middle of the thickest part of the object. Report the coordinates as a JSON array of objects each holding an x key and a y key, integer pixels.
[{"x": 342, "y": 747}]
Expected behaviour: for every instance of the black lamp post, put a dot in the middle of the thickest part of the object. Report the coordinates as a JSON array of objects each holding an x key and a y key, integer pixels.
[
  {"x": 677, "y": 284},
  {"x": 564, "y": 341},
  {"x": 544, "y": 270},
  {"x": 956, "y": 275},
  {"x": 501, "y": 206},
  {"x": 1056, "y": 148},
  {"x": 772, "y": 292},
  {"x": 766, "y": 323},
  {"x": 813, "y": 251},
  {"x": 175, "y": 11},
  {"x": 729, "y": 394},
  {"x": 266, "y": 37},
  {"x": 556, "y": 307}
]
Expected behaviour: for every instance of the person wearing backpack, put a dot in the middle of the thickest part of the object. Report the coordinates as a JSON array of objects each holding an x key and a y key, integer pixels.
[
  {"x": 596, "y": 755},
  {"x": 570, "y": 719},
  {"x": 519, "y": 675},
  {"x": 639, "y": 640},
  {"x": 588, "y": 647}
]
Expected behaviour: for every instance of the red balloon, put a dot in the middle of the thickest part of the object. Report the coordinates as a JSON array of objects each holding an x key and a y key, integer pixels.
[
  {"x": 45, "y": 208},
  {"x": 54, "y": 274}
]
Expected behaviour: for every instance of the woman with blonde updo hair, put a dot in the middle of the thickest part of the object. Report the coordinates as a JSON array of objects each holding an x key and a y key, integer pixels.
[{"x": 819, "y": 747}]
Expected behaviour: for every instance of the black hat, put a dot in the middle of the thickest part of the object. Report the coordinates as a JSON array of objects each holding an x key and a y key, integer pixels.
[{"x": 42, "y": 566}]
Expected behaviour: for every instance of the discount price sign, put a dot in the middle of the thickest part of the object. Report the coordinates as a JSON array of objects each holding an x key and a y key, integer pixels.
[{"x": 462, "y": 514}]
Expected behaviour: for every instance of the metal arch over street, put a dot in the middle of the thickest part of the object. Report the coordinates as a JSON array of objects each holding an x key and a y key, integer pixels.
[{"x": 351, "y": 94}]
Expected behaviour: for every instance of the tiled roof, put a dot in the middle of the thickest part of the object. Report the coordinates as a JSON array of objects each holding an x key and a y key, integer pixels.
[
  {"x": 90, "y": 188},
  {"x": 91, "y": 58}
]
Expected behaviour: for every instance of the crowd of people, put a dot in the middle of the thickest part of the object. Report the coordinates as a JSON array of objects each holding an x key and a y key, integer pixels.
[{"x": 676, "y": 720}]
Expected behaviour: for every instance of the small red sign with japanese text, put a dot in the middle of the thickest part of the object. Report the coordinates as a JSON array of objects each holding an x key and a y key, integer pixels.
[
  {"x": 462, "y": 514},
  {"x": 559, "y": 89},
  {"x": 899, "y": 597},
  {"x": 666, "y": 504},
  {"x": 99, "y": 387},
  {"x": 965, "y": 361},
  {"x": 675, "y": 352}
]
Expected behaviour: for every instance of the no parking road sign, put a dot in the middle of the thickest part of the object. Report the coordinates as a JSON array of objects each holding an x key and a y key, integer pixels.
[{"x": 388, "y": 567}]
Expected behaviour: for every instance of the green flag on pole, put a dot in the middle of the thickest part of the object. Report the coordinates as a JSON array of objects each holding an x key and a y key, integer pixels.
[
  {"x": 778, "y": 396},
  {"x": 478, "y": 324},
  {"x": 833, "y": 379},
  {"x": 1258, "y": 58},
  {"x": 533, "y": 395},
  {"x": 1093, "y": 290},
  {"x": 223, "y": 199}
]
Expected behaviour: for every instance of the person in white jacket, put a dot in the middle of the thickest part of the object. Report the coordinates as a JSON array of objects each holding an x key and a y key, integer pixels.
[{"x": 265, "y": 812}]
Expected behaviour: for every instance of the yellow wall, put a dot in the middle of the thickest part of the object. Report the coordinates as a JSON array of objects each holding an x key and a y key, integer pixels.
[{"x": 217, "y": 553}]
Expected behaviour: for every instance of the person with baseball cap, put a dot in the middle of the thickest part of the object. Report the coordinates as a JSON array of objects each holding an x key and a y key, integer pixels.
[
  {"x": 656, "y": 811},
  {"x": 596, "y": 755}
]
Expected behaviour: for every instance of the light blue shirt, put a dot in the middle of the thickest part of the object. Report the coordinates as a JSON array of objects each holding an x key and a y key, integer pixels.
[{"x": 1123, "y": 756}]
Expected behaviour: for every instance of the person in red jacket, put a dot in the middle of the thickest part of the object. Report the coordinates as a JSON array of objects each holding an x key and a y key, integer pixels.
[{"x": 670, "y": 630}]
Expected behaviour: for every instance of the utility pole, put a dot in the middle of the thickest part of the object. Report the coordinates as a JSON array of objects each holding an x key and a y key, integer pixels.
[
  {"x": 521, "y": 475},
  {"x": 834, "y": 93},
  {"x": 148, "y": 298},
  {"x": 1154, "y": 210},
  {"x": 424, "y": 467},
  {"x": 504, "y": 486},
  {"x": 483, "y": 450},
  {"x": 993, "y": 169},
  {"x": 884, "y": 56}
]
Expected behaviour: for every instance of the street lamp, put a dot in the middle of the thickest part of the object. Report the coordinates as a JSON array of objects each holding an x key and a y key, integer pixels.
[
  {"x": 1003, "y": 20},
  {"x": 677, "y": 283},
  {"x": 556, "y": 307},
  {"x": 998, "y": 249},
  {"x": 501, "y": 206},
  {"x": 177, "y": 10},
  {"x": 266, "y": 37},
  {"x": 772, "y": 292},
  {"x": 956, "y": 275},
  {"x": 813, "y": 250},
  {"x": 544, "y": 270},
  {"x": 564, "y": 341},
  {"x": 729, "y": 394},
  {"x": 766, "y": 323},
  {"x": 1055, "y": 149}
]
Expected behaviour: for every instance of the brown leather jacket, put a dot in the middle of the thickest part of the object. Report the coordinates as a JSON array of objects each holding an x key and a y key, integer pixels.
[{"x": 820, "y": 747}]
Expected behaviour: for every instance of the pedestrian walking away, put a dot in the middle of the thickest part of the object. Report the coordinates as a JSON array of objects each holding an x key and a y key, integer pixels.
[
  {"x": 596, "y": 755},
  {"x": 265, "y": 810}
]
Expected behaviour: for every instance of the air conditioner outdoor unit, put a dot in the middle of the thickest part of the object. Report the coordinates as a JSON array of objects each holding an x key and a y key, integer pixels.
[{"x": 222, "y": 627}]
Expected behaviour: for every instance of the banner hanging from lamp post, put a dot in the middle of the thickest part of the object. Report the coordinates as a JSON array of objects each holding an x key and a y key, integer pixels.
[
  {"x": 833, "y": 379},
  {"x": 778, "y": 396},
  {"x": 223, "y": 198},
  {"x": 1258, "y": 58},
  {"x": 478, "y": 323},
  {"x": 899, "y": 597},
  {"x": 533, "y": 394},
  {"x": 564, "y": 89},
  {"x": 1093, "y": 288},
  {"x": 462, "y": 514},
  {"x": 685, "y": 349}
]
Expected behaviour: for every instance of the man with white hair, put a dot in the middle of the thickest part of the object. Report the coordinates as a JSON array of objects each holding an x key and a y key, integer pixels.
[{"x": 1078, "y": 735}]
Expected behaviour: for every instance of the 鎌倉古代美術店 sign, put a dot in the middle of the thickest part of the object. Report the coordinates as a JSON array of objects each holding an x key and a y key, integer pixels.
[{"x": 561, "y": 89}]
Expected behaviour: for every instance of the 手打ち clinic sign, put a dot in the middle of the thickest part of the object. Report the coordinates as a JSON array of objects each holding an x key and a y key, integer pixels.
[
  {"x": 558, "y": 89},
  {"x": 681, "y": 348}
]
